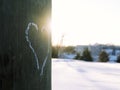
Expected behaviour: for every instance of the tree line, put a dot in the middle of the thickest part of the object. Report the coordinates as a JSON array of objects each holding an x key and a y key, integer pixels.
[{"x": 85, "y": 55}]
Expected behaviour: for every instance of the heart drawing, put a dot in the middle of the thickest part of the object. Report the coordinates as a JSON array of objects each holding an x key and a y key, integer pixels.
[{"x": 33, "y": 50}]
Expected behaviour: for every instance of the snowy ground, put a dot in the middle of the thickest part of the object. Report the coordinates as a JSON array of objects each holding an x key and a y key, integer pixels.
[{"x": 79, "y": 75}]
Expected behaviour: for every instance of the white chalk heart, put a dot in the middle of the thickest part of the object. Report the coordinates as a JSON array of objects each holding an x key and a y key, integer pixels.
[{"x": 33, "y": 50}]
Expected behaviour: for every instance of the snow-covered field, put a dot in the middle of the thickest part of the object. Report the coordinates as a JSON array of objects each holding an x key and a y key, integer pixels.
[{"x": 79, "y": 75}]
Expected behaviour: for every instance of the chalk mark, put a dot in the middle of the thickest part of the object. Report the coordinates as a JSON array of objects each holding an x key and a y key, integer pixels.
[{"x": 30, "y": 45}]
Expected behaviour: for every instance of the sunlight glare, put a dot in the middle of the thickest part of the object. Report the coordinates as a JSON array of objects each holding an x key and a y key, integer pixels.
[{"x": 85, "y": 22}]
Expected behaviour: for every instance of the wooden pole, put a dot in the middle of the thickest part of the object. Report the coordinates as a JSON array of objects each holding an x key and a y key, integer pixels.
[{"x": 25, "y": 45}]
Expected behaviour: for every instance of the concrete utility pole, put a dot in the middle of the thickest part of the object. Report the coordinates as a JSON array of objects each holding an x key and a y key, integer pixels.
[{"x": 25, "y": 45}]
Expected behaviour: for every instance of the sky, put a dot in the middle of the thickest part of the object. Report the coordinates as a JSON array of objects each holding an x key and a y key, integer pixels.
[{"x": 84, "y": 22}]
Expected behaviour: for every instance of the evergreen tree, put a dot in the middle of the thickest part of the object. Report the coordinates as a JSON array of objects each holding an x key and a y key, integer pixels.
[
  {"x": 78, "y": 56},
  {"x": 118, "y": 59},
  {"x": 55, "y": 52},
  {"x": 86, "y": 55},
  {"x": 103, "y": 57}
]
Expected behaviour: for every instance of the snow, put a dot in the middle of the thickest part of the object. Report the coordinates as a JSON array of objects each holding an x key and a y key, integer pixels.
[{"x": 79, "y": 75}]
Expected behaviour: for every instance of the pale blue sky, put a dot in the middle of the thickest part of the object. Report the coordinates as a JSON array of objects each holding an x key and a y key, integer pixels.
[{"x": 86, "y": 21}]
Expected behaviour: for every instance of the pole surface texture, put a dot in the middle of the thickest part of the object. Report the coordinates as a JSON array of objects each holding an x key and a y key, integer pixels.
[{"x": 25, "y": 45}]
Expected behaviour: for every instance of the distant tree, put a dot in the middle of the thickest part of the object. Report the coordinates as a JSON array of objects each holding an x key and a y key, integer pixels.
[
  {"x": 118, "y": 59},
  {"x": 54, "y": 51},
  {"x": 103, "y": 56},
  {"x": 86, "y": 55},
  {"x": 78, "y": 56},
  {"x": 69, "y": 49}
]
